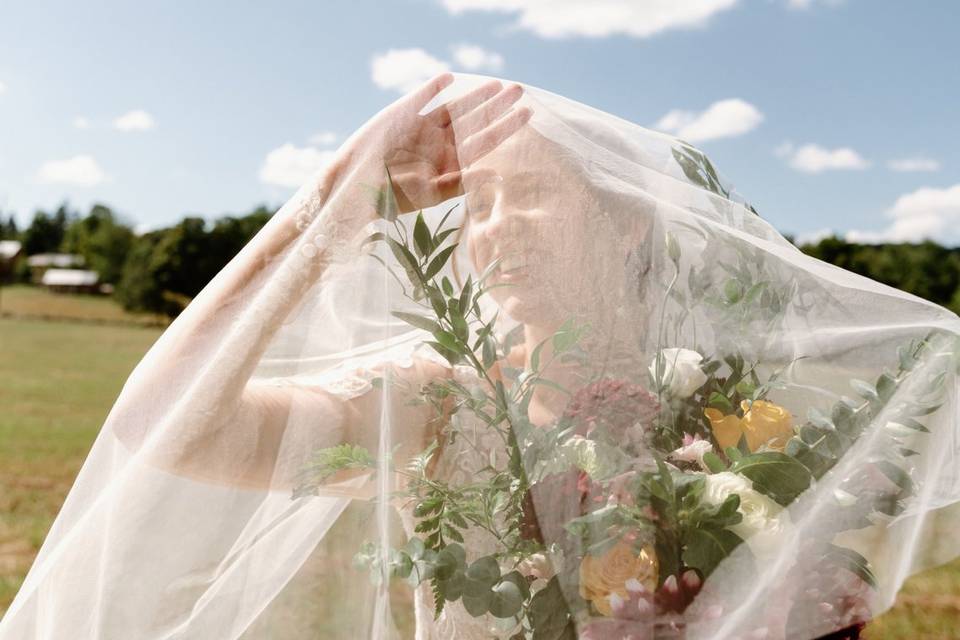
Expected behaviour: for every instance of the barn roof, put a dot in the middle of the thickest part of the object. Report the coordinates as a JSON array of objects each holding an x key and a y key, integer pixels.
[{"x": 70, "y": 278}]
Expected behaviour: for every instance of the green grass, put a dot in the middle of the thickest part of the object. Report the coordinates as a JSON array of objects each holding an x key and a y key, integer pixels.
[
  {"x": 36, "y": 302},
  {"x": 58, "y": 380}
]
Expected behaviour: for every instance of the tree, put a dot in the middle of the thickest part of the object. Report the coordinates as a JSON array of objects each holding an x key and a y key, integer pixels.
[
  {"x": 166, "y": 268},
  {"x": 102, "y": 240},
  {"x": 8, "y": 229},
  {"x": 45, "y": 233}
]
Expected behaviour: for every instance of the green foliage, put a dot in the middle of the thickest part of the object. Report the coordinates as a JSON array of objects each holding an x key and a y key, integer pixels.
[
  {"x": 102, "y": 240},
  {"x": 775, "y": 474},
  {"x": 926, "y": 269},
  {"x": 329, "y": 461},
  {"x": 166, "y": 268},
  {"x": 45, "y": 232}
]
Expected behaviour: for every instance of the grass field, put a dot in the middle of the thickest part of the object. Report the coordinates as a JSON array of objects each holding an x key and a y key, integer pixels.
[
  {"x": 22, "y": 301},
  {"x": 59, "y": 379}
]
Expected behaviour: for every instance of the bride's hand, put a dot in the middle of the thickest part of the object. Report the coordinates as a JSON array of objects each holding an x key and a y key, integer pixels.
[{"x": 429, "y": 156}]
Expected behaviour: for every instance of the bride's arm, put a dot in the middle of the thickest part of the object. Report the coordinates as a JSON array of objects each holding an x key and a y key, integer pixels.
[
  {"x": 266, "y": 441},
  {"x": 229, "y": 428},
  {"x": 219, "y": 425}
]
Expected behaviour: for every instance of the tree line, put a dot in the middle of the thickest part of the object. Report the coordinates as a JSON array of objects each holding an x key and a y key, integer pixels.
[{"x": 160, "y": 271}]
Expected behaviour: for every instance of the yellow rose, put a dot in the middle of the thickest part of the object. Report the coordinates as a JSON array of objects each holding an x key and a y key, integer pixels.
[
  {"x": 603, "y": 575},
  {"x": 763, "y": 423}
]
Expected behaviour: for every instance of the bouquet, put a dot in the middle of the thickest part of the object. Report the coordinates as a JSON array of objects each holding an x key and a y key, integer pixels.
[{"x": 610, "y": 520}]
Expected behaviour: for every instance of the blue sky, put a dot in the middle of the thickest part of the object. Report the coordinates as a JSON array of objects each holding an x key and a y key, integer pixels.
[{"x": 813, "y": 108}]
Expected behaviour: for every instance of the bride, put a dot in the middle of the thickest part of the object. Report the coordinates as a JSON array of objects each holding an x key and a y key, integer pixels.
[{"x": 486, "y": 271}]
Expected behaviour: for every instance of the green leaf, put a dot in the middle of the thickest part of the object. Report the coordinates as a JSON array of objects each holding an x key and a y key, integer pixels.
[
  {"x": 733, "y": 454},
  {"x": 484, "y": 570},
  {"x": 507, "y": 599},
  {"x": 421, "y": 237},
  {"x": 489, "y": 353},
  {"x": 437, "y": 301},
  {"x": 719, "y": 401},
  {"x": 550, "y": 614},
  {"x": 713, "y": 462},
  {"x": 705, "y": 548},
  {"x": 753, "y": 292},
  {"x": 886, "y": 386},
  {"x": 438, "y": 261},
  {"x": 419, "y": 322},
  {"x": 852, "y": 561},
  {"x": 673, "y": 247},
  {"x": 460, "y": 328},
  {"x": 774, "y": 474},
  {"x": 733, "y": 290},
  {"x": 864, "y": 389},
  {"x": 447, "y": 286},
  {"x": 818, "y": 419},
  {"x": 406, "y": 260},
  {"x": 465, "y": 295},
  {"x": 745, "y": 388},
  {"x": 452, "y": 355},
  {"x": 896, "y": 475}
]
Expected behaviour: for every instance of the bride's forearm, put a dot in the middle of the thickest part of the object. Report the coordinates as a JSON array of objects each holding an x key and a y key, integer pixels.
[{"x": 213, "y": 348}]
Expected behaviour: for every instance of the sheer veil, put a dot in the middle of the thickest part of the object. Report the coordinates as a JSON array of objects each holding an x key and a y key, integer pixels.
[{"x": 641, "y": 344}]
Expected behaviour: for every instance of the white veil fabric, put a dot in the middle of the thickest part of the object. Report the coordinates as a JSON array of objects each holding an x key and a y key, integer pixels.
[{"x": 514, "y": 367}]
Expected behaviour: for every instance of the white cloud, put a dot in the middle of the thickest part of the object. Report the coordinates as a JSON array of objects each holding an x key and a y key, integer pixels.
[
  {"x": 927, "y": 213},
  {"x": 598, "y": 18},
  {"x": 814, "y": 237},
  {"x": 405, "y": 69},
  {"x": 81, "y": 123},
  {"x": 81, "y": 171},
  {"x": 812, "y": 158},
  {"x": 3, "y": 87},
  {"x": 291, "y": 166},
  {"x": 136, "y": 120},
  {"x": 474, "y": 58},
  {"x": 723, "y": 119},
  {"x": 324, "y": 138},
  {"x": 914, "y": 164}
]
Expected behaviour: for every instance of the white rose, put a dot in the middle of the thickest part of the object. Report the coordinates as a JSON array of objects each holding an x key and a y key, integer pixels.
[
  {"x": 765, "y": 527},
  {"x": 682, "y": 374}
]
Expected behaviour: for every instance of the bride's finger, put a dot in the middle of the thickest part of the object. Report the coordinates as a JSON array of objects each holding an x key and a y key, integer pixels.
[
  {"x": 465, "y": 104},
  {"x": 485, "y": 141},
  {"x": 487, "y": 112},
  {"x": 422, "y": 96}
]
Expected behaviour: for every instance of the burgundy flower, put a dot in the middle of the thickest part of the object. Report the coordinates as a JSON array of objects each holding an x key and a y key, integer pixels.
[
  {"x": 616, "y": 405},
  {"x": 675, "y": 595}
]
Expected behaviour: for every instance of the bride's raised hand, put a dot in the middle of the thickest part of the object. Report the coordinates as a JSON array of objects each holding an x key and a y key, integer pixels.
[{"x": 429, "y": 156}]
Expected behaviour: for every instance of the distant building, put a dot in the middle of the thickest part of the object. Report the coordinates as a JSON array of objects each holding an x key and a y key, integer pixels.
[
  {"x": 40, "y": 262},
  {"x": 10, "y": 253},
  {"x": 71, "y": 280}
]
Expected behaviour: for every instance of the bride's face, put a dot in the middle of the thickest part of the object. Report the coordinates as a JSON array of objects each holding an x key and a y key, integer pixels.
[{"x": 559, "y": 254}]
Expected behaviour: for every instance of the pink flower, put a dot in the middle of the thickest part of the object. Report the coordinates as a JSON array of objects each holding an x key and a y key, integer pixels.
[{"x": 693, "y": 449}]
